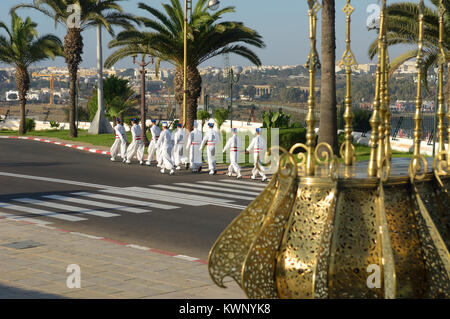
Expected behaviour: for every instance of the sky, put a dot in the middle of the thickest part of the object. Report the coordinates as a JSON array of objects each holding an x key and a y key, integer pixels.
[{"x": 282, "y": 23}]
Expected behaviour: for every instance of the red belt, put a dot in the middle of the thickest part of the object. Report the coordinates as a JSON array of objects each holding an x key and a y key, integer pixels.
[
  {"x": 211, "y": 143},
  {"x": 193, "y": 143},
  {"x": 137, "y": 139}
]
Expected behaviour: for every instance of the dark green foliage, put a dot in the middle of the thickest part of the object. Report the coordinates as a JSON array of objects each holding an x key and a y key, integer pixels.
[
  {"x": 29, "y": 125},
  {"x": 291, "y": 136},
  {"x": 361, "y": 120},
  {"x": 220, "y": 116},
  {"x": 54, "y": 124},
  {"x": 275, "y": 120}
]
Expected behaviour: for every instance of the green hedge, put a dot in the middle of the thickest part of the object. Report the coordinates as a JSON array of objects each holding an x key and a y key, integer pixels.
[
  {"x": 29, "y": 125},
  {"x": 290, "y": 137}
]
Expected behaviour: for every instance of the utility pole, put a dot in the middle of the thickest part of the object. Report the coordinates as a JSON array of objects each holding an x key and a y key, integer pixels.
[{"x": 143, "y": 72}]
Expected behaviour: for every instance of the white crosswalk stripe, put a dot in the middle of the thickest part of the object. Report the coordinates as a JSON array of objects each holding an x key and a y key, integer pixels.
[
  {"x": 98, "y": 204},
  {"x": 232, "y": 185},
  {"x": 65, "y": 208},
  {"x": 30, "y": 210},
  {"x": 143, "y": 193},
  {"x": 25, "y": 219},
  {"x": 204, "y": 192},
  {"x": 257, "y": 184},
  {"x": 224, "y": 188},
  {"x": 126, "y": 200},
  {"x": 172, "y": 196}
]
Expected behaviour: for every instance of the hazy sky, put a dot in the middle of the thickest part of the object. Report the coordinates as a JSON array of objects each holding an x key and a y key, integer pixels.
[{"x": 282, "y": 23}]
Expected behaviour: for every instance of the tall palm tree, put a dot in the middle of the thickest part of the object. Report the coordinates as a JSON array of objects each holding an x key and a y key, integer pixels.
[
  {"x": 328, "y": 108},
  {"x": 107, "y": 13},
  {"x": 207, "y": 38},
  {"x": 23, "y": 47},
  {"x": 402, "y": 28}
]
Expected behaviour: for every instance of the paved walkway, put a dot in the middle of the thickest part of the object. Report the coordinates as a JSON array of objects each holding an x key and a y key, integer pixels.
[{"x": 107, "y": 269}]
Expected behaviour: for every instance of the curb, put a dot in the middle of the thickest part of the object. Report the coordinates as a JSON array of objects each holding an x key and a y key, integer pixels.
[
  {"x": 114, "y": 242},
  {"x": 81, "y": 148}
]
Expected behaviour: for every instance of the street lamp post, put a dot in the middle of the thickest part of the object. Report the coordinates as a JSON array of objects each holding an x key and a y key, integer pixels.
[
  {"x": 212, "y": 5},
  {"x": 233, "y": 78},
  {"x": 143, "y": 72}
]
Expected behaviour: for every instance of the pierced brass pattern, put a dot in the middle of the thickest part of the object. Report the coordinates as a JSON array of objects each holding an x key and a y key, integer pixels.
[
  {"x": 259, "y": 265},
  {"x": 306, "y": 238},
  {"x": 228, "y": 253},
  {"x": 405, "y": 242},
  {"x": 355, "y": 245},
  {"x": 437, "y": 258},
  {"x": 441, "y": 99}
]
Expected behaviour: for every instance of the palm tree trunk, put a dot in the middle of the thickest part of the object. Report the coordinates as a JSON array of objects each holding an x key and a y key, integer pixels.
[
  {"x": 73, "y": 49},
  {"x": 194, "y": 87},
  {"x": 328, "y": 108},
  {"x": 23, "y": 85}
]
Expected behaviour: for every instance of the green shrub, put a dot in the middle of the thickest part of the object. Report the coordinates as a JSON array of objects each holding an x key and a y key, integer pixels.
[
  {"x": 29, "y": 125},
  {"x": 289, "y": 137},
  {"x": 127, "y": 120},
  {"x": 54, "y": 124}
]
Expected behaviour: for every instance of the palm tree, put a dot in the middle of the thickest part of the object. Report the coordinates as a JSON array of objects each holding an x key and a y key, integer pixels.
[
  {"x": 402, "y": 28},
  {"x": 328, "y": 108},
  {"x": 207, "y": 38},
  {"x": 107, "y": 13},
  {"x": 119, "y": 96},
  {"x": 23, "y": 47}
]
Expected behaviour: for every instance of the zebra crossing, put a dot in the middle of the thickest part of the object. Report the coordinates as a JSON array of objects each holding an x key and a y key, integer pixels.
[{"x": 114, "y": 202}]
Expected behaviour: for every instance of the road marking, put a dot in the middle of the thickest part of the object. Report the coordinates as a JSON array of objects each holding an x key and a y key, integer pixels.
[
  {"x": 26, "y": 219},
  {"x": 203, "y": 192},
  {"x": 223, "y": 188},
  {"x": 188, "y": 258},
  {"x": 144, "y": 193},
  {"x": 178, "y": 195},
  {"x": 254, "y": 184},
  {"x": 65, "y": 208},
  {"x": 86, "y": 235},
  {"x": 98, "y": 204},
  {"x": 233, "y": 185},
  {"x": 35, "y": 211},
  {"x": 126, "y": 200},
  {"x": 185, "y": 199},
  {"x": 55, "y": 180},
  {"x": 138, "y": 247}
]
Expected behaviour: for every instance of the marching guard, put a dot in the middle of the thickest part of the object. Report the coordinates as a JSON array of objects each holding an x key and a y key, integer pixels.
[
  {"x": 137, "y": 146},
  {"x": 195, "y": 153},
  {"x": 234, "y": 144},
  {"x": 178, "y": 155},
  {"x": 152, "y": 150},
  {"x": 211, "y": 138},
  {"x": 258, "y": 145},
  {"x": 120, "y": 143},
  {"x": 165, "y": 146}
]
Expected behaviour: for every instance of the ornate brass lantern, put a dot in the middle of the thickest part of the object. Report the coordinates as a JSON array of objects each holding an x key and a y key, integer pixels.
[{"x": 335, "y": 232}]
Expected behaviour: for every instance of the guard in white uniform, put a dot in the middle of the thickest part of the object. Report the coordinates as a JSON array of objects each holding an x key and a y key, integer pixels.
[
  {"x": 178, "y": 155},
  {"x": 234, "y": 144},
  {"x": 195, "y": 153},
  {"x": 258, "y": 145},
  {"x": 137, "y": 146},
  {"x": 212, "y": 137},
  {"x": 120, "y": 143},
  {"x": 152, "y": 150},
  {"x": 165, "y": 146}
]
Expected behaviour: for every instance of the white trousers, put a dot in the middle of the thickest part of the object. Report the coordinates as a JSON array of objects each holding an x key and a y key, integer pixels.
[
  {"x": 136, "y": 147},
  {"x": 178, "y": 155},
  {"x": 211, "y": 151},
  {"x": 195, "y": 156},
  {"x": 151, "y": 151},
  {"x": 166, "y": 159},
  {"x": 257, "y": 168},
  {"x": 234, "y": 166},
  {"x": 118, "y": 147}
]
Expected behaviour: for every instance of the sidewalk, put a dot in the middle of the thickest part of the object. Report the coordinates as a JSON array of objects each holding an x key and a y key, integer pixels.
[{"x": 108, "y": 269}]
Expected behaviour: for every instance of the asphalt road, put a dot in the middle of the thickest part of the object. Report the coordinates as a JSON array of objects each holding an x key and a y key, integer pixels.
[{"x": 183, "y": 219}]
